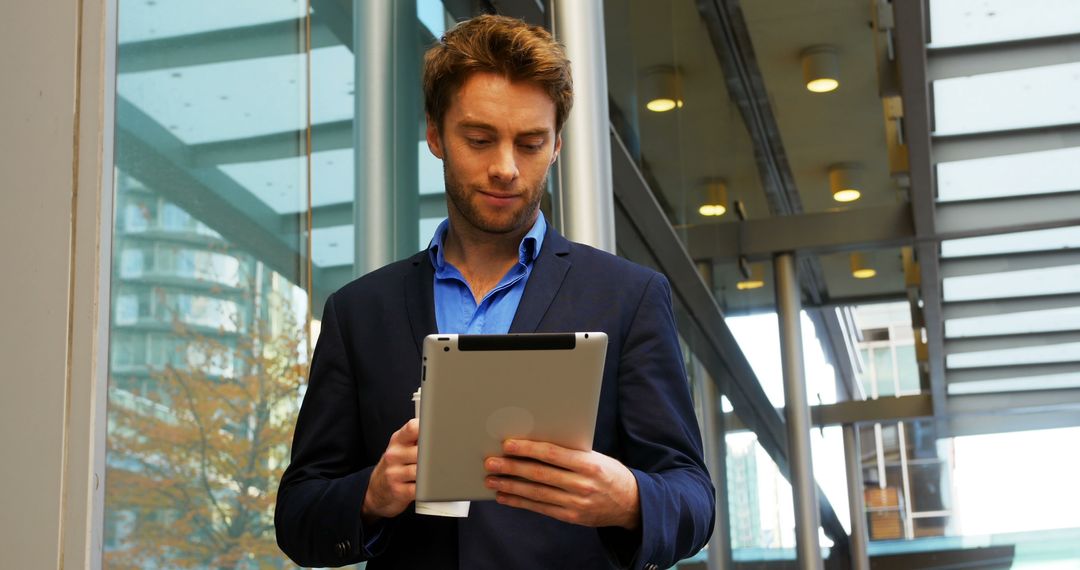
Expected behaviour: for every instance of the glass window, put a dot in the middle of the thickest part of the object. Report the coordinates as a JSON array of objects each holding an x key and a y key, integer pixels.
[
  {"x": 1014, "y": 175},
  {"x": 883, "y": 371},
  {"x": 908, "y": 369},
  {"x": 1023, "y": 98},
  {"x": 1066, "y": 352},
  {"x": 1039, "y": 240},
  {"x": 964, "y": 22},
  {"x": 1014, "y": 323},
  {"x": 1025, "y": 283}
]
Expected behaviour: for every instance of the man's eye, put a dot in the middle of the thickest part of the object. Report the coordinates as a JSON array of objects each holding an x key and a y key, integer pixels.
[
  {"x": 533, "y": 147},
  {"x": 478, "y": 142}
]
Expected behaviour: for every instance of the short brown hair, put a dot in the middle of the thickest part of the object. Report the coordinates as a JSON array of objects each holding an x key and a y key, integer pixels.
[{"x": 502, "y": 45}]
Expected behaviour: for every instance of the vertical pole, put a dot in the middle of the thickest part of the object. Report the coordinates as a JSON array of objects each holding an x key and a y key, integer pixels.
[
  {"x": 386, "y": 210},
  {"x": 797, "y": 413},
  {"x": 584, "y": 202},
  {"x": 860, "y": 555},
  {"x": 714, "y": 440}
]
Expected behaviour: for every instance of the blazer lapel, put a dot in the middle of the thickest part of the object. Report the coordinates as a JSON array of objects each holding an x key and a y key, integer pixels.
[
  {"x": 420, "y": 299},
  {"x": 549, "y": 270}
]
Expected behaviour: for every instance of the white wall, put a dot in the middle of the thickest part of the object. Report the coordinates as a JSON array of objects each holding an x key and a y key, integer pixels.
[{"x": 50, "y": 192}]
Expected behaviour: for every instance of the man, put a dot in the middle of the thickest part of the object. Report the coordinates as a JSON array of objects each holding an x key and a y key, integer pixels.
[{"x": 497, "y": 93}]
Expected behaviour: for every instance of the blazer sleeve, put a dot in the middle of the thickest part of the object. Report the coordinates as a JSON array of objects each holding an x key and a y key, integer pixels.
[
  {"x": 317, "y": 517},
  {"x": 661, "y": 442}
]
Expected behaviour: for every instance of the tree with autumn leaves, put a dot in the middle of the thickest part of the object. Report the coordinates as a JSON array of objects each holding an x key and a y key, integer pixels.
[{"x": 194, "y": 460}]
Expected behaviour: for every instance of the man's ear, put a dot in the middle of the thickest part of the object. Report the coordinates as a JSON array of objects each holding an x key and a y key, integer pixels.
[
  {"x": 558, "y": 147},
  {"x": 434, "y": 141}
]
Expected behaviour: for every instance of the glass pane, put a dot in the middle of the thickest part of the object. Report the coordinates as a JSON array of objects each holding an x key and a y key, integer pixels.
[
  {"x": 1015, "y": 323},
  {"x": 1033, "y": 97},
  {"x": 208, "y": 335},
  {"x": 963, "y": 22},
  {"x": 1039, "y": 240},
  {"x": 1066, "y": 352},
  {"x": 1015, "y": 175},
  {"x": 1045, "y": 382},
  {"x": 1025, "y": 283},
  {"x": 760, "y": 502},
  {"x": 883, "y": 370},
  {"x": 908, "y": 369},
  {"x": 156, "y": 20}
]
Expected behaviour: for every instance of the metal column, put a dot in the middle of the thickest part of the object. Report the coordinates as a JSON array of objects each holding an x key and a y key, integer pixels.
[
  {"x": 860, "y": 555},
  {"x": 797, "y": 413},
  {"x": 386, "y": 211},
  {"x": 584, "y": 205},
  {"x": 714, "y": 440}
]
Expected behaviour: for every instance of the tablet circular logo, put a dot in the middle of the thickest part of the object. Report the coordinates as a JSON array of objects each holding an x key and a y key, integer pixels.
[{"x": 509, "y": 422}]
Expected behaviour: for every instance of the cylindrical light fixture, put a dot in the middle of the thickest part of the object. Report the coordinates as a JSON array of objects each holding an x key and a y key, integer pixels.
[
  {"x": 714, "y": 198},
  {"x": 756, "y": 279},
  {"x": 845, "y": 181},
  {"x": 661, "y": 89},
  {"x": 859, "y": 268},
  {"x": 821, "y": 69}
]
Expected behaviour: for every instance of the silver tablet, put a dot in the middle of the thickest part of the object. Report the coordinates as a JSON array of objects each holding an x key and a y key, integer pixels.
[{"x": 478, "y": 390}]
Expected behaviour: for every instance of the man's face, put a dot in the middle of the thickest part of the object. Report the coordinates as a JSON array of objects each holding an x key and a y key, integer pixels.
[{"x": 497, "y": 143}]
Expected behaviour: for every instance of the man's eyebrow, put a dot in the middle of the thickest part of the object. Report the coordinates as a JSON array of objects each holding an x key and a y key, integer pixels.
[{"x": 539, "y": 131}]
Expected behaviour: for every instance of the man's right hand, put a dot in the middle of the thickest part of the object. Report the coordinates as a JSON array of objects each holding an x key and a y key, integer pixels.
[{"x": 393, "y": 482}]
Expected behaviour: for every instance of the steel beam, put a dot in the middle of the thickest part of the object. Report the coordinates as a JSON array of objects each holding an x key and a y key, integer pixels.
[
  {"x": 583, "y": 197},
  {"x": 911, "y": 34},
  {"x": 1013, "y": 403},
  {"x": 326, "y": 136},
  {"x": 223, "y": 46},
  {"x": 860, "y": 541},
  {"x": 1007, "y": 215},
  {"x": 965, "y": 61},
  {"x": 797, "y": 412},
  {"x": 1008, "y": 341},
  {"x": 1004, "y": 143},
  {"x": 874, "y": 227},
  {"x": 890, "y": 409},
  {"x": 1011, "y": 372},
  {"x": 965, "y": 425}
]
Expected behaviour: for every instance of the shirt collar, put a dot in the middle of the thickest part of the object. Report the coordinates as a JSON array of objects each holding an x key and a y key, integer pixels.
[{"x": 528, "y": 249}]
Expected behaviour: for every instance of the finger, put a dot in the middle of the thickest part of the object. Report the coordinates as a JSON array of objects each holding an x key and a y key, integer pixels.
[
  {"x": 409, "y": 433},
  {"x": 401, "y": 473},
  {"x": 533, "y": 491},
  {"x": 547, "y": 452},
  {"x": 400, "y": 454},
  {"x": 535, "y": 471},
  {"x": 553, "y": 511}
]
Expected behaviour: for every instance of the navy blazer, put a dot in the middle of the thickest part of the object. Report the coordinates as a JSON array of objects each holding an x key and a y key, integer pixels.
[{"x": 367, "y": 365}]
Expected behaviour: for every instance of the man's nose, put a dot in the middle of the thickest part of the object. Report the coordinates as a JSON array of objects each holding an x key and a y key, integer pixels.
[{"x": 503, "y": 167}]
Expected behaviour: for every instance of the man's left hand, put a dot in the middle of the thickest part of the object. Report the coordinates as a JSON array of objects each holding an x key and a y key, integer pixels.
[{"x": 579, "y": 487}]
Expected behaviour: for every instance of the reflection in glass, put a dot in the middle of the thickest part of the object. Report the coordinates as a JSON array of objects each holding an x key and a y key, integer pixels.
[{"x": 208, "y": 344}]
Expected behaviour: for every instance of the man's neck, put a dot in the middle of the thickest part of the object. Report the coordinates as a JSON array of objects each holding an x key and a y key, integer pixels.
[{"x": 481, "y": 257}]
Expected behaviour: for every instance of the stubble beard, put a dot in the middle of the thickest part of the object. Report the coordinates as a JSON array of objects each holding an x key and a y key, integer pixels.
[{"x": 473, "y": 214}]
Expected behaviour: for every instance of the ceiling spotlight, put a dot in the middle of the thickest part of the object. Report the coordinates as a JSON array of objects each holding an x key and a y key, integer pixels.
[
  {"x": 714, "y": 197},
  {"x": 844, "y": 182},
  {"x": 821, "y": 69},
  {"x": 859, "y": 268},
  {"x": 661, "y": 89},
  {"x": 756, "y": 280}
]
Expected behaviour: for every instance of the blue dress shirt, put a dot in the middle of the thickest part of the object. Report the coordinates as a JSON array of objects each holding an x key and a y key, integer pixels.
[{"x": 456, "y": 309}]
